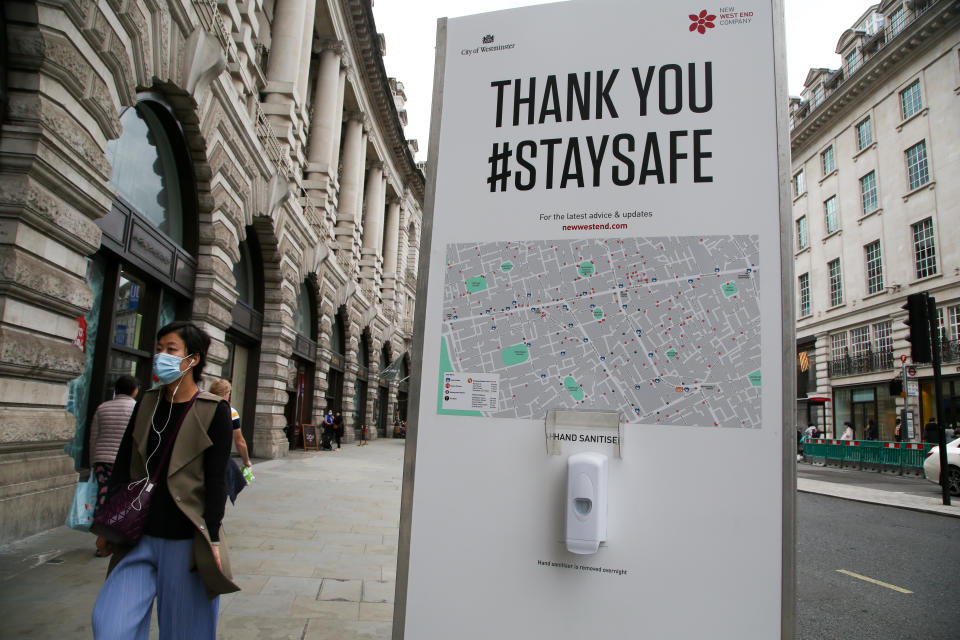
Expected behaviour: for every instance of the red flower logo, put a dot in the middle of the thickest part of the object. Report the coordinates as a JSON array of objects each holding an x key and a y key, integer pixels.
[{"x": 702, "y": 22}]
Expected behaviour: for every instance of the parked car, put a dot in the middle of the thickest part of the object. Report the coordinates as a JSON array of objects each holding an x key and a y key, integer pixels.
[{"x": 931, "y": 466}]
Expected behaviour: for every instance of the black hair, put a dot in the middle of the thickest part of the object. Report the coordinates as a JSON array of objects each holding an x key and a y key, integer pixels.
[
  {"x": 126, "y": 385},
  {"x": 194, "y": 338}
]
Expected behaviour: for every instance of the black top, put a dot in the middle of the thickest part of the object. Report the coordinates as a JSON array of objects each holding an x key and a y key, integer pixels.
[{"x": 166, "y": 520}]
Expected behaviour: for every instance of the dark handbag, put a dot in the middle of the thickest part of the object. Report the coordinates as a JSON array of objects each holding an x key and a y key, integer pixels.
[{"x": 123, "y": 517}]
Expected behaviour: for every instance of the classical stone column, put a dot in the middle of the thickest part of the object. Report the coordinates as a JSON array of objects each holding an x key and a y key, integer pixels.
[
  {"x": 373, "y": 206},
  {"x": 380, "y": 217},
  {"x": 391, "y": 240},
  {"x": 350, "y": 183},
  {"x": 338, "y": 121},
  {"x": 358, "y": 203},
  {"x": 326, "y": 116},
  {"x": 306, "y": 47},
  {"x": 390, "y": 245},
  {"x": 287, "y": 34}
]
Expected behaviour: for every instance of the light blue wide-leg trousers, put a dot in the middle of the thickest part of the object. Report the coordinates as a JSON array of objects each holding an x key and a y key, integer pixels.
[{"x": 155, "y": 568}]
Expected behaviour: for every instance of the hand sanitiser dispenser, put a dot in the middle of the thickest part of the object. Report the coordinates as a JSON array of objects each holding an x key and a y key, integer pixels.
[{"x": 586, "y": 502}]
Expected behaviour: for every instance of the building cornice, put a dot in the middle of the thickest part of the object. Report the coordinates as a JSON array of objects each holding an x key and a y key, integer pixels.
[
  {"x": 370, "y": 68},
  {"x": 919, "y": 35}
]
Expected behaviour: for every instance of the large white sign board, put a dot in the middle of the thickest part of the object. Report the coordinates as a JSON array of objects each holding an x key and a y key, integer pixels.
[{"x": 606, "y": 235}]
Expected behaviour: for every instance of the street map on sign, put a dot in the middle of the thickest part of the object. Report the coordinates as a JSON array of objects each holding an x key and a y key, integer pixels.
[{"x": 662, "y": 329}]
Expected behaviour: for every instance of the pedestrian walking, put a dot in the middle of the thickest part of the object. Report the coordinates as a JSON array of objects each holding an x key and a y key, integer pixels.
[
  {"x": 224, "y": 389},
  {"x": 236, "y": 478},
  {"x": 847, "y": 432},
  {"x": 338, "y": 428},
  {"x": 897, "y": 434},
  {"x": 872, "y": 431},
  {"x": 176, "y": 446},
  {"x": 931, "y": 431},
  {"x": 106, "y": 431}
]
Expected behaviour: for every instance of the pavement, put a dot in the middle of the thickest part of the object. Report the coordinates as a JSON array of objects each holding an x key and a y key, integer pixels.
[{"x": 313, "y": 542}]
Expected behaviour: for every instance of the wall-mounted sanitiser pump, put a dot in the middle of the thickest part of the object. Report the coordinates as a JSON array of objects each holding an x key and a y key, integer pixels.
[{"x": 586, "y": 502}]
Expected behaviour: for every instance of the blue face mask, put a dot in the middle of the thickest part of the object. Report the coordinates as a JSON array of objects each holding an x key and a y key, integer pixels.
[{"x": 166, "y": 368}]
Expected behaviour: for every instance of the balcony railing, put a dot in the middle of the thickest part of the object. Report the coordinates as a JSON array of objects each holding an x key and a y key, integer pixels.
[
  {"x": 867, "y": 362},
  {"x": 949, "y": 351},
  {"x": 871, "y": 46}
]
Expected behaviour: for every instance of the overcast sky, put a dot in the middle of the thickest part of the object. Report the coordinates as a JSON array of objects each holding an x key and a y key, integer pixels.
[{"x": 410, "y": 29}]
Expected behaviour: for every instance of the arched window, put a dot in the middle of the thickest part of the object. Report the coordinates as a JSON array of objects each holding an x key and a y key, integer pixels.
[
  {"x": 363, "y": 351},
  {"x": 145, "y": 171},
  {"x": 243, "y": 273},
  {"x": 337, "y": 334},
  {"x": 303, "y": 317}
]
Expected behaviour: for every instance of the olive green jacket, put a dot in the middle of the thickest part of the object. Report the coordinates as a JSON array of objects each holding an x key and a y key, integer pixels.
[{"x": 185, "y": 482}]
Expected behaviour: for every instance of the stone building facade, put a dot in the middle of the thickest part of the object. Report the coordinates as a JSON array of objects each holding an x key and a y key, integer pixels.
[
  {"x": 241, "y": 164},
  {"x": 875, "y": 210}
]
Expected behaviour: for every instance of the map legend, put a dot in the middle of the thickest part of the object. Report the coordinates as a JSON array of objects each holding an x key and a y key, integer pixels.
[{"x": 471, "y": 392}]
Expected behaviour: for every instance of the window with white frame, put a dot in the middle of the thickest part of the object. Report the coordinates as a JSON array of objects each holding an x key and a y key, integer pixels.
[
  {"x": 804, "y": 288},
  {"x": 918, "y": 174},
  {"x": 952, "y": 332},
  {"x": 874, "y": 267},
  {"x": 896, "y": 21},
  {"x": 883, "y": 336},
  {"x": 911, "y": 102},
  {"x": 868, "y": 193},
  {"x": 864, "y": 134},
  {"x": 802, "y": 239},
  {"x": 817, "y": 96},
  {"x": 838, "y": 344},
  {"x": 827, "y": 161},
  {"x": 799, "y": 184},
  {"x": 852, "y": 62},
  {"x": 831, "y": 214},
  {"x": 860, "y": 341},
  {"x": 924, "y": 250},
  {"x": 836, "y": 282}
]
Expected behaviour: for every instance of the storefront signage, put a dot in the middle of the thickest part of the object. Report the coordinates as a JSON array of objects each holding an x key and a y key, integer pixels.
[{"x": 603, "y": 234}]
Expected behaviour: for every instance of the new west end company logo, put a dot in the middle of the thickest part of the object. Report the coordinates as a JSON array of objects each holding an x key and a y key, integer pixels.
[
  {"x": 702, "y": 21},
  {"x": 726, "y": 16},
  {"x": 487, "y": 46}
]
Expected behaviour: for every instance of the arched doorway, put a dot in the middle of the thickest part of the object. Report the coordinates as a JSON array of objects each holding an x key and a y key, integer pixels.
[
  {"x": 384, "y": 421},
  {"x": 403, "y": 386},
  {"x": 143, "y": 275},
  {"x": 338, "y": 338},
  {"x": 242, "y": 339},
  {"x": 299, "y": 409},
  {"x": 362, "y": 384}
]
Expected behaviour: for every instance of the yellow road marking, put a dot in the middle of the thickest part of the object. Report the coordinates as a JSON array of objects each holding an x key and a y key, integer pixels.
[{"x": 873, "y": 581}]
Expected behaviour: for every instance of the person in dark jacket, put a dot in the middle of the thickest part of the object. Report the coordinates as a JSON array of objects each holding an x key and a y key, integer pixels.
[
  {"x": 338, "y": 428},
  {"x": 931, "y": 431}
]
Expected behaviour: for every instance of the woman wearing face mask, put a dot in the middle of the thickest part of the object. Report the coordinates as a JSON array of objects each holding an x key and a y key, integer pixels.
[{"x": 181, "y": 559}]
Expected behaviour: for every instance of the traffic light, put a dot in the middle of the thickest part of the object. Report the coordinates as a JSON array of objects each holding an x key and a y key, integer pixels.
[{"x": 918, "y": 322}]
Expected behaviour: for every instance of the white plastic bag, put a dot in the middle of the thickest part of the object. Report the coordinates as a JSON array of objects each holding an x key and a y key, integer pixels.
[{"x": 84, "y": 501}]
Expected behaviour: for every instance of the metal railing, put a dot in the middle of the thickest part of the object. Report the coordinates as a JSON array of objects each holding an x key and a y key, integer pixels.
[
  {"x": 871, "y": 46},
  {"x": 848, "y": 365},
  {"x": 949, "y": 351}
]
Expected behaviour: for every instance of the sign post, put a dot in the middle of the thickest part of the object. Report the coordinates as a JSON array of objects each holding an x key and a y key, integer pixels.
[{"x": 605, "y": 261}]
